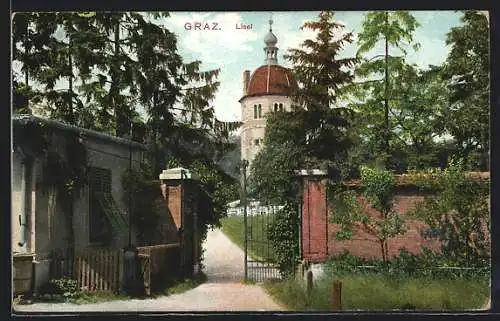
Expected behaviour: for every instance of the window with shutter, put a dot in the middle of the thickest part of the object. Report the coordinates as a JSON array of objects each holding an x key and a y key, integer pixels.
[{"x": 100, "y": 229}]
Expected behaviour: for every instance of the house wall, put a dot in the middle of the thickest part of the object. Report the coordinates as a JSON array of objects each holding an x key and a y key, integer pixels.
[
  {"x": 116, "y": 158},
  {"x": 24, "y": 256},
  {"x": 48, "y": 221},
  {"x": 318, "y": 239}
]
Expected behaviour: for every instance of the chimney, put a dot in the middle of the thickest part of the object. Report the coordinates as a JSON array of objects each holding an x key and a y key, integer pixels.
[{"x": 246, "y": 80}]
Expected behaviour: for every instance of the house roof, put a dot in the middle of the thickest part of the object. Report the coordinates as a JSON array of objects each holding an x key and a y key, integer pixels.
[{"x": 23, "y": 119}]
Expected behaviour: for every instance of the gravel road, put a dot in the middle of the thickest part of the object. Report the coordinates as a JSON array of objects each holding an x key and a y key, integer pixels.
[{"x": 223, "y": 290}]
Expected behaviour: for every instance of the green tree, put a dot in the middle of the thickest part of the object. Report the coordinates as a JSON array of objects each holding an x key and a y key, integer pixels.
[
  {"x": 317, "y": 66},
  {"x": 373, "y": 93},
  {"x": 418, "y": 120},
  {"x": 457, "y": 212},
  {"x": 31, "y": 32},
  {"x": 467, "y": 70},
  {"x": 349, "y": 211}
]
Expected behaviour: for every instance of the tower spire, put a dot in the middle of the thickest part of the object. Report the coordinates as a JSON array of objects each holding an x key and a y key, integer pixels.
[{"x": 270, "y": 49}]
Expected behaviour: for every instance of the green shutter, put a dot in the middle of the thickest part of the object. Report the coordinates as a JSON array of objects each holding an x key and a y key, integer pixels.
[{"x": 113, "y": 213}]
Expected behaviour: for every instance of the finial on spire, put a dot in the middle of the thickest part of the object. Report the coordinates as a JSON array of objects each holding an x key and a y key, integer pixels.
[{"x": 271, "y": 22}]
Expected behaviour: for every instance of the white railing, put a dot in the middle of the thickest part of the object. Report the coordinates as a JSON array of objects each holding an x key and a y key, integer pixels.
[{"x": 253, "y": 209}]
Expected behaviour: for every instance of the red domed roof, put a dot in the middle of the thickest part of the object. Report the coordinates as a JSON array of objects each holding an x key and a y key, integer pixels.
[{"x": 270, "y": 80}]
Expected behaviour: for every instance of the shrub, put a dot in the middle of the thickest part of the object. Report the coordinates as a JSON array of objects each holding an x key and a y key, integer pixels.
[
  {"x": 284, "y": 236},
  {"x": 457, "y": 213},
  {"x": 65, "y": 287}
]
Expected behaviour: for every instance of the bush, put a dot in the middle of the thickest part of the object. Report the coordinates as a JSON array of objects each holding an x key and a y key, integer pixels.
[
  {"x": 65, "y": 287},
  {"x": 457, "y": 212},
  {"x": 284, "y": 236}
]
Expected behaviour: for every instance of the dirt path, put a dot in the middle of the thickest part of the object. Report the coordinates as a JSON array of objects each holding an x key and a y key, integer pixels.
[{"x": 223, "y": 290}]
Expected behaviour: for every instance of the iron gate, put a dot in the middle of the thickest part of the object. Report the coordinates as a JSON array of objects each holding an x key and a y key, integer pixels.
[
  {"x": 259, "y": 260},
  {"x": 260, "y": 264}
]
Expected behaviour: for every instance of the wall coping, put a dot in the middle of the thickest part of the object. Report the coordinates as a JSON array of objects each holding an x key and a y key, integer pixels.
[
  {"x": 177, "y": 173},
  {"x": 406, "y": 179},
  {"x": 401, "y": 179}
]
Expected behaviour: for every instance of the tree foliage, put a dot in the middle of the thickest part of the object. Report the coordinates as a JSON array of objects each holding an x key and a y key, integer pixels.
[
  {"x": 457, "y": 212},
  {"x": 375, "y": 87},
  {"x": 284, "y": 236},
  {"x": 351, "y": 212},
  {"x": 317, "y": 66},
  {"x": 467, "y": 72}
]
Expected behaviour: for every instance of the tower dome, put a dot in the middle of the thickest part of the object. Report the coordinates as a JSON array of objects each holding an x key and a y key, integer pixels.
[
  {"x": 270, "y": 39},
  {"x": 270, "y": 80}
]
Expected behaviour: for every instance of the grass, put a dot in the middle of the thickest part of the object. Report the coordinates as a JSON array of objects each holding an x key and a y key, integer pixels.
[
  {"x": 258, "y": 245},
  {"x": 370, "y": 292}
]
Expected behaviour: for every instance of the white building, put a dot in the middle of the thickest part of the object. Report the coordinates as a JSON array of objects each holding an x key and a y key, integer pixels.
[{"x": 264, "y": 91}]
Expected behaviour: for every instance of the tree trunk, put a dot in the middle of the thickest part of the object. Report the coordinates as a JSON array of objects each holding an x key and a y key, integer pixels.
[
  {"x": 382, "y": 248},
  {"x": 26, "y": 51},
  {"x": 122, "y": 121},
  {"x": 386, "y": 94},
  {"x": 71, "y": 117}
]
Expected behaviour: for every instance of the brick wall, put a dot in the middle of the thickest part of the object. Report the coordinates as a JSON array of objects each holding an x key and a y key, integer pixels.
[
  {"x": 318, "y": 239},
  {"x": 314, "y": 222},
  {"x": 182, "y": 198}
]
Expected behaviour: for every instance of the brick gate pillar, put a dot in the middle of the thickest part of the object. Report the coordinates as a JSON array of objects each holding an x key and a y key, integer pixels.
[
  {"x": 180, "y": 189},
  {"x": 314, "y": 219}
]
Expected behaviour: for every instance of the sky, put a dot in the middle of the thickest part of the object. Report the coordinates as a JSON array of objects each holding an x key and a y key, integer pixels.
[{"x": 235, "y": 50}]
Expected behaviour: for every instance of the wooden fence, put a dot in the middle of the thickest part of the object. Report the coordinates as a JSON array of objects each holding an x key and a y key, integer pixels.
[
  {"x": 95, "y": 270},
  {"x": 100, "y": 269},
  {"x": 160, "y": 265}
]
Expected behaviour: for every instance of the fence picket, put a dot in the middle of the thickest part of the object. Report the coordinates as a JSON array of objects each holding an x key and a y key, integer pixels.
[
  {"x": 106, "y": 270},
  {"x": 111, "y": 272},
  {"x": 101, "y": 267}
]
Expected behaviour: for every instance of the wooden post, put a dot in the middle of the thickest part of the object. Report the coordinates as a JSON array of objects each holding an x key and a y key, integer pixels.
[
  {"x": 309, "y": 282},
  {"x": 337, "y": 295}
]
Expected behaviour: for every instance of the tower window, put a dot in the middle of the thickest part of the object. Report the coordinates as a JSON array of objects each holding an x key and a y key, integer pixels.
[
  {"x": 255, "y": 111},
  {"x": 275, "y": 107},
  {"x": 281, "y": 107},
  {"x": 256, "y": 142},
  {"x": 260, "y": 111}
]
